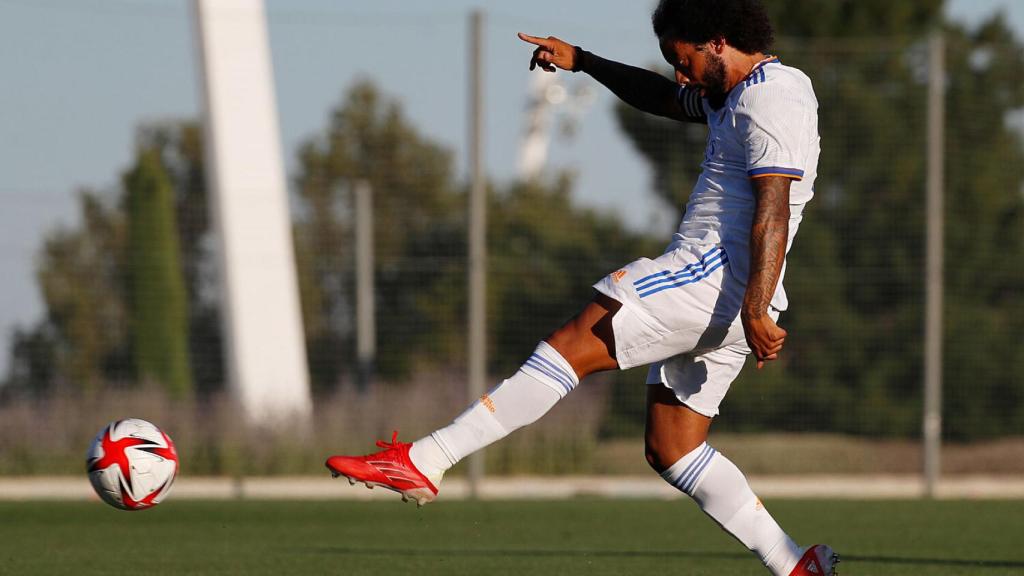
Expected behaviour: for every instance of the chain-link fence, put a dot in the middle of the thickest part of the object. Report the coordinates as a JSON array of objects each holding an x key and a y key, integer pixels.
[{"x": 846, "y": 396}]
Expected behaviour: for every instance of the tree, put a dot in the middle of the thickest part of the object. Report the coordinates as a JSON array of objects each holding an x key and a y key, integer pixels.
[
  {"x": 417, "y": 218},
  {"x": 81, "y": 277},
  {"x": 156, "y": 288},
  {"x": 87, "y": 276},
  {"x": 984, "y": 394},
  {"x": 545, "y": 252},
  {"x": 180, "y": 148}
]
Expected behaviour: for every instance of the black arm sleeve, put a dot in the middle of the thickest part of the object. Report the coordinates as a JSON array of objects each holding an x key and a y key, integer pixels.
[{"x": 642, "y": 89}]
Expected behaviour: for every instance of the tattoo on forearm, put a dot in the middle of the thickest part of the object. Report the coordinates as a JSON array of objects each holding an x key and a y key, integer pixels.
[{"x": 768, "y": 237}]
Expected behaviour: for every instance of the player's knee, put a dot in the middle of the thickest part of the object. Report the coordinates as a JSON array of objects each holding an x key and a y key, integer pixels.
[
  {"x": 664, "y": 448},
  {"x": 587, "y": 341},
  {"x": 657, "y": 454}
]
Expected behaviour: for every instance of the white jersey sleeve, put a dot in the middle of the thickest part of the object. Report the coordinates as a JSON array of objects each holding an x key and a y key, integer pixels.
[
  {"x": 777, "y": 121},
  {"x": 692, "y": 104}
]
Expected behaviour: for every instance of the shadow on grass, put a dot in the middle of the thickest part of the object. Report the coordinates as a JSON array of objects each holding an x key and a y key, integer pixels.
[
  {"x": 526, "y": 553},
  {"x": 936, "y": 561},
  {"x": 532, "y": 553}
]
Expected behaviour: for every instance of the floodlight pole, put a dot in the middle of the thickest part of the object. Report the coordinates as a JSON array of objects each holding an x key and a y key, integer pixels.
[
  {"x": 477, "y": 328},
  {"x": 934, "y": 223}
]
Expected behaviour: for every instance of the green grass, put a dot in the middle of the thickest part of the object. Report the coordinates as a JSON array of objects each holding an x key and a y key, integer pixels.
[{"x": 585, "y": 537}]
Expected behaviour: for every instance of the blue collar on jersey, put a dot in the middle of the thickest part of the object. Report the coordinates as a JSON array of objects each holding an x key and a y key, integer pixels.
[
  {"x": 759, "y": 65},
  {"x": 756, "y": 75}
]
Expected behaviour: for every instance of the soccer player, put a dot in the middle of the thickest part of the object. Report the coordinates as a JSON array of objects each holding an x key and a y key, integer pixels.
[{"x": 699, "y": 309}]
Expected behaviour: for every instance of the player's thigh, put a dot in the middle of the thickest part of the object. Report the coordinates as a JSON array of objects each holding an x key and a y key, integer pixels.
[
  {"x": 685, "y": 300},
  {"x": 587, "y": 340},
  {"x": 700, "y": 381}
]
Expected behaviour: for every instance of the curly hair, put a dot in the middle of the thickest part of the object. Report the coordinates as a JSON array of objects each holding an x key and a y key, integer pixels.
[{"x": 743, "y": 23}]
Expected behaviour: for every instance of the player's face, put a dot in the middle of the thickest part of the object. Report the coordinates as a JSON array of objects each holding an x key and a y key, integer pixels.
[{"x": 696, "y": 65}]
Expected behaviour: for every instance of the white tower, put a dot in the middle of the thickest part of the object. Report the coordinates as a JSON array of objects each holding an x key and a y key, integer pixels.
[
  {"x": 262, "y": 323},
  {"x": 546, "y": 94}
]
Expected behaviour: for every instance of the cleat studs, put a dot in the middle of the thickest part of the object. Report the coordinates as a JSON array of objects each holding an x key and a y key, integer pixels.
[
  {"x": 334, "y": 474},
  {"x": 351, "y": 480},
  {"x": 369, "y": 486}
]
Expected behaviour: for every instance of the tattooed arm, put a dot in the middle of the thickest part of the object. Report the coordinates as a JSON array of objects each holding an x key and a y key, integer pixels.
[{"x": 768, "y": 236}]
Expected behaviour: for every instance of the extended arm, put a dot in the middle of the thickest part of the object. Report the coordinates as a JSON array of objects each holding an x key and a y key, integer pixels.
[
  {"x": 642, "y": 89},
  {"x": 768, "y": 237}
]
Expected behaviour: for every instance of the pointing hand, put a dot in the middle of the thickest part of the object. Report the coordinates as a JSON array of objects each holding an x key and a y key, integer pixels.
[{"x": 551, "y": 53}]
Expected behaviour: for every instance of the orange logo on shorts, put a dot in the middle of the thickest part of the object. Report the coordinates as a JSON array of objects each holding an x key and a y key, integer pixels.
[
  {"x": 616, "y": 276},
  {"x": 486, "y": 401}
]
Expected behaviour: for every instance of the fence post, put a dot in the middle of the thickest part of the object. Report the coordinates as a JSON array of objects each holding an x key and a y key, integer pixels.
[
  {"x": 366, "y": 309},
  {"x": 934, "y": 222},
  {"x": 477, "y": 329}
]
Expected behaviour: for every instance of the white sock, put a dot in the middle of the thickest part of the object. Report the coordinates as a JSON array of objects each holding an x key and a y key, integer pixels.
[
  {"x": 722, "y": 492},
  {"x": 540, "y": 383}
]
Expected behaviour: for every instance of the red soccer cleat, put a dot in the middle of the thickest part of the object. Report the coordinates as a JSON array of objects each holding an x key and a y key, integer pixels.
[
  {"x": 390, "y": 468},
  {"x": 818, "y": 560}
]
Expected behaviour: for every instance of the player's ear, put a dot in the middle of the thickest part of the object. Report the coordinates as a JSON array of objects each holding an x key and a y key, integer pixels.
[{"x": 717, "y": 45}]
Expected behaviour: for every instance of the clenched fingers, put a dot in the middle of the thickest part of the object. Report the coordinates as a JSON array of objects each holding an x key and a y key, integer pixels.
[{"x": 542, "y": 57}]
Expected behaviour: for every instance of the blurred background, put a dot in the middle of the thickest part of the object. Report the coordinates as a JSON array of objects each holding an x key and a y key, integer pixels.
[{"x": 110, "y": 303}]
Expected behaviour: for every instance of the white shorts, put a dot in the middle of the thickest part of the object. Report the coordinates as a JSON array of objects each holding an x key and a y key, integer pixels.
[{"x": 680, "y": 312}]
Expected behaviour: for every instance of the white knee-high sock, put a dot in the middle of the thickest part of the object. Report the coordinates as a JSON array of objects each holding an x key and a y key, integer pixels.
[
  {"x": 722, "y": 492},
  {"x": 539, "y": 384}
]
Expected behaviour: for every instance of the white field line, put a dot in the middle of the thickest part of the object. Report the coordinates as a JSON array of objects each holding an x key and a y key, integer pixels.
[{"x": 531, "y": 488}]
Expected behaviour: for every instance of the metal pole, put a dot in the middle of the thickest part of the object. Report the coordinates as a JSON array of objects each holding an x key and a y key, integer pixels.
[
  {"x": 934, "y": 266},
  {"x": 366, "y": 329},
  {"x": 477, "y": 329}
]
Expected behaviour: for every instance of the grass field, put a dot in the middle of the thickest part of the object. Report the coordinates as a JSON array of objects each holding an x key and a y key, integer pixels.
[{"x": 585, "y": 537}]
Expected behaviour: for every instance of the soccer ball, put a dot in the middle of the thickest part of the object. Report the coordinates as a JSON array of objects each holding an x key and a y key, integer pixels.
[{"x": 132, "y": 464}]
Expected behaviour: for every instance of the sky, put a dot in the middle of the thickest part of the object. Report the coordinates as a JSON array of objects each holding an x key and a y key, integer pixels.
[{"x": 79, "y": 76}]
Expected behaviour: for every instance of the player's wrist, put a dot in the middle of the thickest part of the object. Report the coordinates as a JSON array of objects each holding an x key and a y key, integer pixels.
[
  {"x": 579, "y": 60},
  {"x": 752, "y": 313}
]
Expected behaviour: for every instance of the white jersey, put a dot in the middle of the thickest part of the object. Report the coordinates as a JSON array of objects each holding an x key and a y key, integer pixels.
[{"x": 768, "y": 126}]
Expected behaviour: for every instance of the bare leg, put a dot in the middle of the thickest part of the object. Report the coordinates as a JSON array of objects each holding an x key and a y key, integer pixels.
[
  {"x": 587, "y": 341},
  {"x": 673, "y": 430}
]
